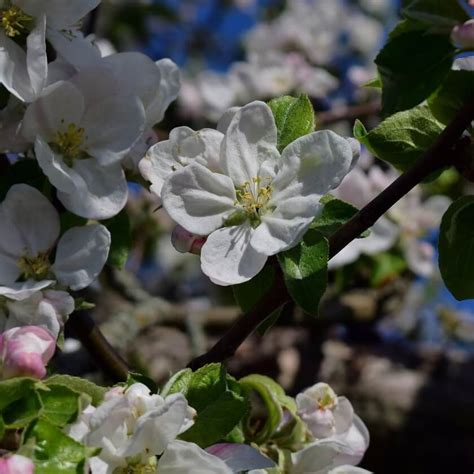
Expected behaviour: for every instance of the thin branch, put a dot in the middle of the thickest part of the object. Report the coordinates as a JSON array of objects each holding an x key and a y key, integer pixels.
[
  {"x": 102, "y": 352},
  {"x": 440, "y": 155},
  {"x": 347, "y": 112}
]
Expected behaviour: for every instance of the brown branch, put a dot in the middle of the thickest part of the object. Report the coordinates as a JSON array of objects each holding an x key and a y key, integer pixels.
[
  {"x": 102, "y": 352},
  {"x": 439, "y": 156}
]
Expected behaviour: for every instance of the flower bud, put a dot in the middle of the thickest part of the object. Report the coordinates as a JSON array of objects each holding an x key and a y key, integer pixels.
[
  {"x": 25, "y": 351},
  {"x": 183, "y": 241},
  {"x": 463, "y": 35},
  {"x": 16, "y": 464}
]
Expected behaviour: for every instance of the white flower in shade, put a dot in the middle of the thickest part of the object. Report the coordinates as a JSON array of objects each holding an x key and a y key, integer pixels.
[
  {"x": 29, "y": 225},
  {"x": 138, "y": 430},
  {"x": 463, "y": 35},
  {"x": 79, "y": 141},
  {"x": 25, "y": 352},
  {"x": 24, "y": 72},
  {"x": 324, "y": 413},
  {"x": 260, "y": 203},
  {"x": 16, "y": 464},
  {"x": 48, "y": 309}
]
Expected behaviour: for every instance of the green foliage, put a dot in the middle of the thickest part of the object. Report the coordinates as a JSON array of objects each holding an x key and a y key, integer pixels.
[
  {"x": 456, "y": 248},
  {"x": 294, "y": 118},
  {"x": 120, "y": 230},
  {"x": 401, "y": 138},
  {"x": 14, "y": 389},
  {"x": 335, "y": 214},
  {"x": 248, "y": 294},
  {"x": 275, "y": 401},
  {"x": 305, "y": 270},
  {"x": 436, "y": 14},
  {"x": 219, "y": 403},
  {"x": 456, "y": 91},
  {"x": 22, "y": 411},
  {"x": 60, "y": 405},
  {"x": 53, "y": 452},
  {"x": 178, "y": 383},
  {"x": 412, "y": 65},
  {"x": 80, "y": 386},
  {"x": 386, "y": 267}
]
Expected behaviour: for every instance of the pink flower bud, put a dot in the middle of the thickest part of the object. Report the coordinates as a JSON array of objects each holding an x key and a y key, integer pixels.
[
  {"x": 16, "y": 464},
  {"x": 25, "y": 351},
  {"x": 183, "y": 241},
  {"x": 463, "y": 35}
]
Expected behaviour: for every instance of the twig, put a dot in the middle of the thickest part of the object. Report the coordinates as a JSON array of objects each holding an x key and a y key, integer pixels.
[
  {"x": 102, "y": 352},
  {"x": 439, "y": 156},
  {"x": 347, "y": 112}
]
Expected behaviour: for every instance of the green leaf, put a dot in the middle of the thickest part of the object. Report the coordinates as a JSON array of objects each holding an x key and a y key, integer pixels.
[
  {"x": 79, "y": 386},
  {"x": 456, "y": 248},
  {"x": 402, "y": 138},
  {"x": 14, "y": 389},
  {"x": 219, "y": 404},
  {"x": 305, "y": 270},
  {"x": 275, "y": 401},
  {"x": 269, "y": 321},
  {"x": 178, "y": 383},
  {"x": 55, "y": 452},
  {"x": 335, "y": 213},
  {"x": 411, "y": 66},
  {"x": 60, "y": 405},
  {"x": 375, "y": 83},
  {"x": 294, "y": 118},
  {"x": 248, "y": 294},
  {"x": 443, "y": 14},
  {"x": 2, "y": 428},
  {"x": 120, "y": 230},
  {"x": 22, "y": 411},
  {"x": 456, "y": 91}
]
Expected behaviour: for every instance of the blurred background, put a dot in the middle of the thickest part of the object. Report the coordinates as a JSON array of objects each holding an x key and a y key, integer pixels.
[{"x": 390, "y": 336}]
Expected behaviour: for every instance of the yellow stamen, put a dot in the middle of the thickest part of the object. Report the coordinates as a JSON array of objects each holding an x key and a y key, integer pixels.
[
  {"x": 69, "y": 143},
  {"x": 34, "y": 267},
  {"x": 253, "y": 197},
  {"x": 14, "y": 21}
]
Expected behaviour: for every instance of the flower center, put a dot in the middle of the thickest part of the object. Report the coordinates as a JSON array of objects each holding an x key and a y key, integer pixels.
[
  {"x": 69, "y": 143},
  {"x": 14, "y": 21},
  {"x": 253, "y": 197},
  {"x": 326, "y": 401},
  {"x": 34, "y": 267},
  {"x": 139, "y": 468}
]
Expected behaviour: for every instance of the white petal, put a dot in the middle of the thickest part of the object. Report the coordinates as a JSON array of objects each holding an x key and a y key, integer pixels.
[
  {"x": 33, "y": 218},
  {"x": 419, "y": 256},
  {"x": 36, "y": 59},
  {"x": 250, "y": 140},
  {"x": 240, "y": 457},
  {"x": 314, "y": 164},
  {"x": 346, "y": 469},
  {"x": 226, "y": 119},
  {"x": 23, "y": 290},
  {"x": 285, "y": 226},
  {"x": 60, "y": 105},
  {"x": 188, "y": 458},
  {"x": 112, "y": 127},
  {"x": 99, "y": 192},
  {"x": 81, "y": 255},
  {"x": 198, "y": 199},
  {"x": 157, "y": 428},
  {"x": 167, "y": 92},
  {"x": 383, "y": 236},
  {"x": 227, "y": 257}
]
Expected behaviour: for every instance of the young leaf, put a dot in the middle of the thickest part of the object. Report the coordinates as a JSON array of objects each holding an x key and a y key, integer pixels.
[
  {"x": 79, "y": 386},
  {"x": 456, "y": 248},
  {"x": 178, "y": 383},
  {"x": 248, "y": 294},
  {"x": 456, "y": 90},
  {"x": 412, "y": 65},
  {"x": 219, "y": 403},
  {"x": 23, "y": 411},
  {"x": 305, "y": 270},
  {"x": 335, "y": 213},
  {"x": 14, "y": 389},
  {"x": 60, "y": 405},
  {"x": 437, "y": 13},
  {"x": 294, "y": 118},
  {"x": 119, "y": 228},
  {"x": 55, "y": 452},
  {"x": 402, "y": 138}
]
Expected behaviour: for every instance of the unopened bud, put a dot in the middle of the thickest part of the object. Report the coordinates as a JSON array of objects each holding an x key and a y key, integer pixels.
[
  {"x": 463, "y": 35},
  {"x": 184, "y": 242},
  {"x": 16, "y": 464},
  {"x": 25, "y": 351}
]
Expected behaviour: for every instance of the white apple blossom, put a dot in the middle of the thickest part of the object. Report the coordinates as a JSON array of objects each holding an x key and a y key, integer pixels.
[
  {"x": 24, "y": 71},
  {"x": 138, "y": 430},
  {"x": 29, "y": 225},
  {"x": 25, "y": 351},
  {"x": 48, "y": 309},
  {"x": 463, "y": 35},
  {"x": 261, "y": 203}
]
